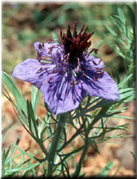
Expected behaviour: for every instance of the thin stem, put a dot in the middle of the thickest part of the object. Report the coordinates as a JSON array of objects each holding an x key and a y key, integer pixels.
[
  {"x": 54, "y": 145},
  {"x": 79, "y": 165}
]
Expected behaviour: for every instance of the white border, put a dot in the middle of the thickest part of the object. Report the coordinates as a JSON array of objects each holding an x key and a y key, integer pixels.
[{"x": 61, "y": 1}]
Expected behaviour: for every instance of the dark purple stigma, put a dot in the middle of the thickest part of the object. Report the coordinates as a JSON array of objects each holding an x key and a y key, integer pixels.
[{"x": 75, "y": 44}]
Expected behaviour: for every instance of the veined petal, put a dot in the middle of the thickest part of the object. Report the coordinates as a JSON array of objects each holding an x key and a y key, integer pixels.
[
  {"x": 47, "y": 49},
  {"x": 94, "y": 63},
  {"x": 60, "y": 95},
  {"x": 45, "y": 46},
  {"x": 30, "y": 70},
  {"x": 102, "y": 86}
]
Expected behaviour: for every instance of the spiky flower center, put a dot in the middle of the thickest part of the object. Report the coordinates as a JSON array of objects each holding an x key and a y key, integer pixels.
[{"x": 77, "y": 43}]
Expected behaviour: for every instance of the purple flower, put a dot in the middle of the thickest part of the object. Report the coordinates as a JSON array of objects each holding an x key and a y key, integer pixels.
[{"x": 66, "y": 73}]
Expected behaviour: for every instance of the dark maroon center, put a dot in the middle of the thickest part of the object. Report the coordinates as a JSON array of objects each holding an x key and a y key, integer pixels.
[{"x": 75, "y": 44}]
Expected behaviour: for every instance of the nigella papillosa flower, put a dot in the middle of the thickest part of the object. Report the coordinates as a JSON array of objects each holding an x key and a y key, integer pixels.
[{"x": 66, "y": 72}]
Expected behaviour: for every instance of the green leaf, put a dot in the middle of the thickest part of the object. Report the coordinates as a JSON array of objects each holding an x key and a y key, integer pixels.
[
  {"x": 44, "y": 61},
  {"x": 21, "y": 103},
  {"x": 10, "y": 158},
  {"x": 117, "y": 74},
  {"x": 118, "y": 50},
  {"x": 124, "y": 117},
  {"x": 37, "y": 100},
  {"x": 131, "y": 16},
  {"x": 122, "y": 17},
  {"x": 3, "y": 162},
  {"x": 71, "y": 153},
  {"x": 33, "y": 95},
  {"x": 124, "y": 80},
  {"x": 7, "y": 152},
  {"x": 106, "y": 169},
  {"x": 22, "y": 151},
  {"x": 120, "y": 24},
  {"x": 55, "y": 37},
  {"x": 4, "y": 137},
  {"x": 73, "y": 137},
  {"x": 30, "y": 166},
  {"x": 110, "y": 30},
  {"x": 133, "y": 155},
  {"x": 71, "y": 6},
  {"x": 31, "y": 119},
  {"x": 65, "y": 165},
  {"x": 117, "y": 169}
]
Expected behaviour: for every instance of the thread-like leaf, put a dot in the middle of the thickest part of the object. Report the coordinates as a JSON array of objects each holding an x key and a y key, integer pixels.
[
  {"x": 106, "y": 169},
  {"x": 14, "y": 90}
]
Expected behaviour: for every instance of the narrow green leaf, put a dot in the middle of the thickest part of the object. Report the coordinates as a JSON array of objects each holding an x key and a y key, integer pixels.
[
  {"x": 22, "y": 168},
  {"x": 124, "y": 80},
  {"x": 126, "y": 90},
  {"x": 106, "y": 169},
  {"x": 120, "y": 24},
  {"x": 73, "y": 137},
  {"x": 121, "y": 15},
  {"x": 37, "y": 100},
  {"x": 131, "y": 15},
  {"x": 55, "y": 37},
  {"x": 71, "y": 153},
  {"x": 45, "y": 61},
  {"x": 117, "y": 74},
  {"x": 124, "y": 117},
  {"x": 4, "y": 137},
  {"x": 66, "y": 169},
  {"x": 110, "y": 30},
  {"x": 71, "y": 6},
  {"x": 31, "y": 118},
  {"x": 14, "y": 90},
  {"x": 7, "y": 152},
  {"x": 118, "y": 50},
  {"x": 3, "y": 162},
  {"x": 133, "y": 155},
  {"x": 117, "y": 169},
  {"x": 42, "y": 133},
  {"x": 93, "y": 144},
  {"x": 18, "y": 111},
  {"x": 22, "y": 151},
  {"x": 33, "y": 95}
]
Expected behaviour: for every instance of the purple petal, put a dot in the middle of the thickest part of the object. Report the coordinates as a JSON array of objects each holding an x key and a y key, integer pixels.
[
  {"x": 94, "y": 63},
  {"x": 31, "y": 70},
  {"x": 60, "y": 95},
  {"x": 45, "y": 46},
  {"x": 102, "y": 86},
  {"x": 47, "y": 49}
]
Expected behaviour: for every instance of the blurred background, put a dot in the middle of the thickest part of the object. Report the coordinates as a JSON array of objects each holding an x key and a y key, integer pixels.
[{"x": 24, "y": 24}]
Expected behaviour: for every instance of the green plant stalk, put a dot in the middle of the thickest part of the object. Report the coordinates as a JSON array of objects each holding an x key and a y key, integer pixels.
[
  {"x": 79, "y": 165},
  {"x": 54, "y": 145}
]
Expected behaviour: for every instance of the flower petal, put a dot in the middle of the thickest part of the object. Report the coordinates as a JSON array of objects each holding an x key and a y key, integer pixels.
[
  {"x": 101, "y": 85},
  {"x": 94, "y": 63},
  {"x": 45, "y": 46},
  {"x": 31, "y": 70},
  {"x": 47, "y": 49},
  {"x": 60, "y": 96}
]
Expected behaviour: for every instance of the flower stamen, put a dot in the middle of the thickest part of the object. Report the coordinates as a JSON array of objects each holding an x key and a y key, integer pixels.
[{"x": 76, "y": 44}]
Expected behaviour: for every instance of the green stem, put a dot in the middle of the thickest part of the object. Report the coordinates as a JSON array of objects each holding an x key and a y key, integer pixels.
[
  {"x": 54, "y": 145},
  {"x": 79, "y": 165}
]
